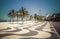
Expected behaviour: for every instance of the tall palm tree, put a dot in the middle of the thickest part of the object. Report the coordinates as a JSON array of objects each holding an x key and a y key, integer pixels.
[
  {"x": 11, "y": 15},
  {"x": 23, "y": 13},
  {"x": 17, "y": 14},
  {"x": 26, "y": 14},
  {"x": 35, "y": 17}
]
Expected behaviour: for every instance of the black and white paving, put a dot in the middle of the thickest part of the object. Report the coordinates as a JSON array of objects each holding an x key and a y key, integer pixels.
[{"x": 29, "y": 30}]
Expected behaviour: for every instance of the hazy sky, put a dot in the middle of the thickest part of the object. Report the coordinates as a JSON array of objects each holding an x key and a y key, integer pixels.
[{"x": 41, "y": 7}]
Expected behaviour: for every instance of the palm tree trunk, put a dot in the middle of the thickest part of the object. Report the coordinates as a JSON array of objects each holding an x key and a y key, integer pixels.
[
  {"x": 26, "y": 20},
  {"x": 36, "y": 20},
  {"x": 13, "y": 19},
  {"x": 10, "y": 19},
  {"x": 17, "y": 19},
  {"x": 22, "y": 19}
]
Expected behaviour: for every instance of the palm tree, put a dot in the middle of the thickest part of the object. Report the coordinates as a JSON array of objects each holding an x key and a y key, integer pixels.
[
  {"x": 35, "y": 17},
  {"x": 17, "y": 14},
  {"x": 38, "y": 18},
  {"x": 13, "y": 11},
  {"x": 31, "y": 17},
  {"x": 26, "y": 14},
  {"x": 23, "y": 13},
  {"x": 11, "y": 15}
]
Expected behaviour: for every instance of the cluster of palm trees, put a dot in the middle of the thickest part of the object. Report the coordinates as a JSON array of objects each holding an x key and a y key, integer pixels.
[
  {"x": 11, "y": 15},
  {"x": 22, "y": 13},
  {"x": 38, "y": 17}
]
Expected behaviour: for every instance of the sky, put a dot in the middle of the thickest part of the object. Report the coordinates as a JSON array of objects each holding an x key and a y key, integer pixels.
[{"x": 41, "y": 7}]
